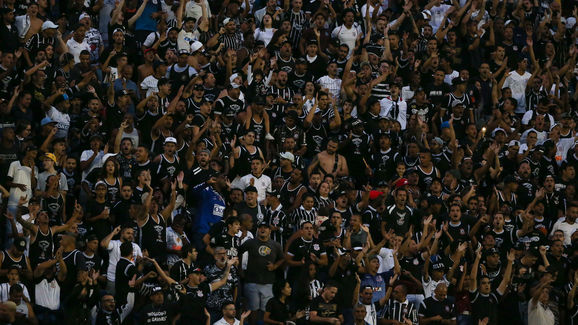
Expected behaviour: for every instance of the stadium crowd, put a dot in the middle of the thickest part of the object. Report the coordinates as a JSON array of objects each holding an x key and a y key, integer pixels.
[{"x": 288, "y": 162}]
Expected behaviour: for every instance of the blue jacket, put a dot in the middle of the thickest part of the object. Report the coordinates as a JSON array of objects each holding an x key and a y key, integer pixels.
[{"x": 210, "y": 207}]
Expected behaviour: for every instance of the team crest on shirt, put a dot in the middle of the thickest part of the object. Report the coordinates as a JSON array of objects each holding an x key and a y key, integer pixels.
[
  {"x": 264, "y": 250},
  {"x": 199, "y": 293},
  {"x": 462, "y": 232},
  {"x": 316, "y": 247},
  {"x": 447, "y": 308}
]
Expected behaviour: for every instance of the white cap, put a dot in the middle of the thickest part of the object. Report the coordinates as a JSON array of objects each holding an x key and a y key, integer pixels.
[
  {"x": 287, "y": 155},
  {"x": 496, "y": 130},
  {"x": 170, "y": 139},
  {"x": 514, "y": 143},
  {"x": 196, "y": 46},
  {"x": 83, "y": 15},
  {"x": 226, "y": 21},
  {"x": 48, "y": 25},
  {"x": 233, "y": 77},
  {"x": 570, "y": 22}
]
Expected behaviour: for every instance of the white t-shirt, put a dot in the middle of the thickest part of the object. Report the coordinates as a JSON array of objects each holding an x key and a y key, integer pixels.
[
  {"x": 538, "y": 315},
  {"x": 42, "y": 177},
  {"x": 222, "y": 321},
  {"x": 114, "y": 256},
  {"x": 517, "y": 83},
  {"x": 437, "y": 16},
  {"x": 386, "y": 261},
  {"x": 75, "y": 48},
  {"x": 263, "y": 184},
  {"x": 48, "y": 294},
  {"x": 347, "y": 36},
  {"x": 5, "y": 291},
  {"x": 567, "y": 228},
  {"x": 20, "y": 175},
  {"x": 430, "y": 286},
  {"x": 97, "y": 162},
  {"x": 150, "y": 84},
  {"x": 333, "y": 85},
  {"x": 264, "y": 35}
]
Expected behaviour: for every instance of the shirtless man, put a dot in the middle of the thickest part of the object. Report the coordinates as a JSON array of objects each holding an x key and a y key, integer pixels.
[
  {"x": 329, "y": 161},
  {"x": 35, "y": 22}
]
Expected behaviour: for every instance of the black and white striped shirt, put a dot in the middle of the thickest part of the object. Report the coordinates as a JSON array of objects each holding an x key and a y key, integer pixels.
[
  {"x": 299, "y": 23},
  {"x": 36, "y": 42},
  {"x": 232, "y": 41},
  {"x": 286, "y": 93},
  {"x": 277, "y": 218},
  {"x": 395, "y": 310},
  {"x": 301, "y": 215}
]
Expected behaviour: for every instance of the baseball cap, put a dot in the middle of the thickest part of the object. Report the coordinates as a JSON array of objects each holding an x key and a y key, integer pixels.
[
  {"x": 287, "y": 155},
  {"x": 83, "y": 15},
  {"x": 496, "y": 130},
  {"x": 196, "y": 270},
  {"x": 514, "y": 143},
  {"x": 46, "y": 120},
  {"x": 227, "y": 20},
  {"x": 170, "y": 140},
  {"x": 439, "y": 141},
  {"x": 196, "y": 46},
  {"x": 492, "y": 251},
  {"x": 20, "y": 244},
  {"x": 445, "y": 124},
  {"x": 456, "y": 103},
  {"x": 274, "y": 193},
  {"x": 99, "y": 183},
  {"x": 156, "y": 290},
  {"x": 122, "y": 92},
  {"x": 373, "y": 194},
  {"x": 250, "y": 189},
  {"x": 264, "y": 224},
  {"x": 49, "y": 25},
  {"x": 50, "y": 156},
  {"x": 357, "y": 122},
  {"x": 401, "y": 182},
  {"x": 438, "y": 266}
]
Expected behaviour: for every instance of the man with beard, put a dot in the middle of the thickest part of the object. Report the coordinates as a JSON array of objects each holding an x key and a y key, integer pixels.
[
  {"x": 265, "y": 256},
  {"x": 329, "y": 161},
  {"x": 200, "y": 173}
]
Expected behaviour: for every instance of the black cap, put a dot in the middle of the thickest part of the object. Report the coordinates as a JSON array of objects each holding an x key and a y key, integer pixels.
[
  {"x": 122, "y": 92},
  {"x": 196, "y": 270},
  {"x": 20, "y": 244},
  {"x": 274, "y": 193},
  {"x": 492, "y": 251},
  {"x": 251, "y": 188},
  {"x": 156, "y": 290},
  {"x": 301, "y": 60},
  {"x": 264, "y": 224}
]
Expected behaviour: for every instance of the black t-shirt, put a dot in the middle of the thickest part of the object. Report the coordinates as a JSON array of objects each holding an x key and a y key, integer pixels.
[
  {"x": 260, "y": 254},
  {"x": 431, "y": 307},
  {"x": 192, "y": 304},
  {"x": 152, "y": 314},
  {"x": 485, "y": 306},
  {"x": 325, "y": 309},
  {"x": 125, "y": 270},
  {"x": 279, "y": 310}
]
